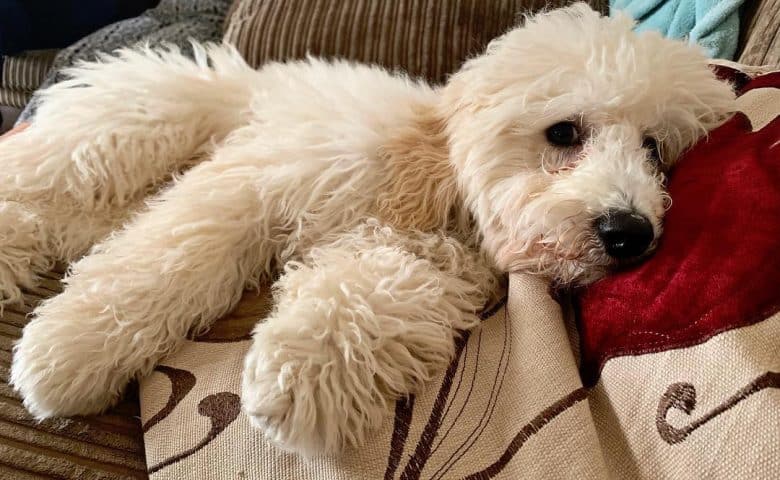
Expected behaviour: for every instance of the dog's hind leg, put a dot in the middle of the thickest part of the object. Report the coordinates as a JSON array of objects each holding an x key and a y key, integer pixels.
[
  {"x": 101, "y": 141},
  {"x": 174, "y": 268},
  {"x": 358, "y": 324}
]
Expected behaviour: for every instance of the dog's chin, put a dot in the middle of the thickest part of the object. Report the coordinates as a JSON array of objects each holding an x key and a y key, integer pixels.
[
  {"x": 599, "y": 265},
  {"x": 590, "y": 266},
  {"x": 617, "y": 266},
  {"x": 592, "y": 273},
  {"x": 562, "y": 288}
]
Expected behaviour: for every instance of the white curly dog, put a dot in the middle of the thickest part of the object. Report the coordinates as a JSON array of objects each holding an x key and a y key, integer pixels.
[{"x": 384, "y": 209}]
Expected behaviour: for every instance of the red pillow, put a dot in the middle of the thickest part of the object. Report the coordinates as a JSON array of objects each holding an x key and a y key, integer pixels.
[{"x": 718, "y": 264}]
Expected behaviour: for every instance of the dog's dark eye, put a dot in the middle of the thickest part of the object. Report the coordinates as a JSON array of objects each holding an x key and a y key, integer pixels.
[
  {"x": 651, "y": 145},
  {"x": 563, "y": 134}
]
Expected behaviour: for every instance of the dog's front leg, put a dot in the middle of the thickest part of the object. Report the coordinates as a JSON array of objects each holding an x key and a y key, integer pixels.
[
  {"x": 359, "y": 323},
  {"x": 176, "y": 267}
]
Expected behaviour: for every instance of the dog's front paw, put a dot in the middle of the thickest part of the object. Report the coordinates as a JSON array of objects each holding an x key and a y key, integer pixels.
[
  {"x": 60, "y": 369},
  {"x": 53, "y": 385},
  {"x": 304, "y": 400}
]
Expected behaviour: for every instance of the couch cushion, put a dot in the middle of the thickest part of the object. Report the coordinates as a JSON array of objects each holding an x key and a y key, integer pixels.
[
  {"x": 760, "y": 33},
  {"x": 426, "y": 38}
]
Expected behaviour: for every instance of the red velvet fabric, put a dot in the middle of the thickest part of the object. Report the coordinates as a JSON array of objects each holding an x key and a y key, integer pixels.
[{"x": 718, "y": 264}]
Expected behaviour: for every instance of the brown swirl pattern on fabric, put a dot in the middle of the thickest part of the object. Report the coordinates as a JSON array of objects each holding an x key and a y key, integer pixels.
[
  {"x": 426, "y": 38},
  {"x": 682, "y": 396},
  {"x": 221, "y": 409},
  {"x": 108, "y": 446}
]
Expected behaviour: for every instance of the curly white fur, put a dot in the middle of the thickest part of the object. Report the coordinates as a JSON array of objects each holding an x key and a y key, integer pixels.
[
  {"x": 279, "y": 170},
  {"x": 354, "y": 345}
]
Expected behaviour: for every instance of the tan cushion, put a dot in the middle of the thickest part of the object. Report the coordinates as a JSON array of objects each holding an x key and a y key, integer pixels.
[
  {"x": 760, "y": 34},
  {"x": 14, "y": 98},
  {"x": 233, "y": 6},
  {"x": 426, "y": 38}
]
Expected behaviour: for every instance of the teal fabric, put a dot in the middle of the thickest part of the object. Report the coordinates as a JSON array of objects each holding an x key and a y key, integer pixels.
[{"x": 713, "y": 24}]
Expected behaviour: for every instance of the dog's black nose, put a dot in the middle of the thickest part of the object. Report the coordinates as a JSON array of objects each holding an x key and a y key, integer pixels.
[{"x": 625, "y": 234}]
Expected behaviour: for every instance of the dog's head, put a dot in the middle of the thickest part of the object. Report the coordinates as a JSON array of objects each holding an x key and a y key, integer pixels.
[{"x": 563, "y": 132}]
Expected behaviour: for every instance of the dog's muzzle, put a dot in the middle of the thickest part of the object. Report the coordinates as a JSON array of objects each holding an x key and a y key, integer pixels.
[{"x": 625, "y": 234}]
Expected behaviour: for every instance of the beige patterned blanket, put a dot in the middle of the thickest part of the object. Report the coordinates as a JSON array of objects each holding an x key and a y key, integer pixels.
[{"x": 511, "y": 405}]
